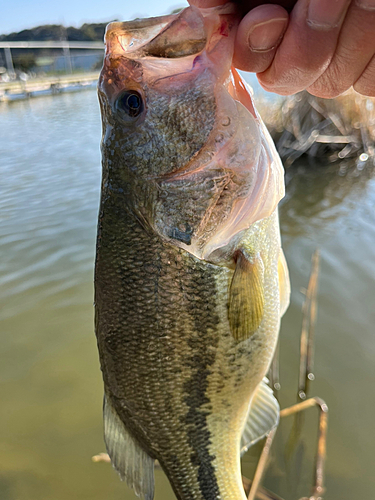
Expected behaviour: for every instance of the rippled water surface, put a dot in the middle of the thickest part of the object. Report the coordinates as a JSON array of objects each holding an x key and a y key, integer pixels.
[{"x": 50, "y": 382}]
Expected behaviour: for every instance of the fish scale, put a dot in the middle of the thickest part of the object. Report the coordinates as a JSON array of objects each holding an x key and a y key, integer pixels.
[
  {"x": 146, "y": 340},
  {"x": 153, "y": 346}
]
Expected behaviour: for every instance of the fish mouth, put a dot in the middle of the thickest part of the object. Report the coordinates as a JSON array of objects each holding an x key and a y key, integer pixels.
[
  {"x": 176, "y": 47},
  {"x": 173, "y": 36},
  {"x": 146, "y": 50}
]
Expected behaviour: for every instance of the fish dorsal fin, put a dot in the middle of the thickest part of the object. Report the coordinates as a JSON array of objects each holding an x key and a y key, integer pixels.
[
  {"x": 263, "y": 416},
  {"x": 246, "y": 297},
  {"x": 284, "y": 283},
  {"x": 132, "y": 463}
]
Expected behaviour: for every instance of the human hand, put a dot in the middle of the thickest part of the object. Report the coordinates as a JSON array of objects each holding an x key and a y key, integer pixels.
[{"x": 324, "y": 46}]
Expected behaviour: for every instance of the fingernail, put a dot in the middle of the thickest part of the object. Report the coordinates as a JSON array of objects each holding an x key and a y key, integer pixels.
[
  {"x": 326, "y": 14},
  {"x": 267, "y": 35},
  {"x": 366, "y": 4}
]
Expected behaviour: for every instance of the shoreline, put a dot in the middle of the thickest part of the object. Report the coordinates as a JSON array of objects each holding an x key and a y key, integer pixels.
[{"x": 49, "y": 85}]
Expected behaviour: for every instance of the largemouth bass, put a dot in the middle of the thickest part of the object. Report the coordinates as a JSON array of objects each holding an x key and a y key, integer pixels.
[{"x": 190, "y": 278}]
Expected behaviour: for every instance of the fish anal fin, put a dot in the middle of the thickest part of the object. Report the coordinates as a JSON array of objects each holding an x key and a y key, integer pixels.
[
  {"x": 262, "y": 418},
  {"x": 133, "y": 464},
  {"x": 246, "y": 297}
]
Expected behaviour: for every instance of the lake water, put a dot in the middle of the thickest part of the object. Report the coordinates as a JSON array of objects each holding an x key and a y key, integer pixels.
[{"x": 50, "y": 382}]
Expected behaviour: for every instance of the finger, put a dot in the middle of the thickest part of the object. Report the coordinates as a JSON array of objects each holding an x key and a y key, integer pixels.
[
  {"x": 354, "y": 51},
  {"x": 366, "y": 82},
  {"x": 258, "y": 37},
  {"x": 307, "y": 47}
]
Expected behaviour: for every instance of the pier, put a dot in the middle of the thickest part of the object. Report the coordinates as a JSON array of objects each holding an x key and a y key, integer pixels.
[
  {"x": 65, "y": 45},
  {"x": 48, "y": 85}
]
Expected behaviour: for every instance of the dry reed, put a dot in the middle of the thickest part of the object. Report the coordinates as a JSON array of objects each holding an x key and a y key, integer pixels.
[{"x": 329, "y": 129}]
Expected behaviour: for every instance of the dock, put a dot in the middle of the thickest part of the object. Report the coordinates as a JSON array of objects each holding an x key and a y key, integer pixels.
[{"x": 47, "y": 85}]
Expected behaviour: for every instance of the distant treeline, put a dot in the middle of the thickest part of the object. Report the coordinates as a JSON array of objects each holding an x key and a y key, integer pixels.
[
  {"x": 86, "y": 33},
  {"x": 27, "y": 59}
]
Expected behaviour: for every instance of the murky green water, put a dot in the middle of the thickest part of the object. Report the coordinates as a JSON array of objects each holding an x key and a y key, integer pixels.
[{"x": 50, "y": 383}]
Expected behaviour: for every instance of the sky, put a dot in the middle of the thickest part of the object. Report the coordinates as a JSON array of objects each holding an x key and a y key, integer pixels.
[{"x": 17, "y": 15}]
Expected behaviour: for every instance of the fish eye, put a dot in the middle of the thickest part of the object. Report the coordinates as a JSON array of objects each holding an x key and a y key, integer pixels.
[{"x": 130, "y": 102}]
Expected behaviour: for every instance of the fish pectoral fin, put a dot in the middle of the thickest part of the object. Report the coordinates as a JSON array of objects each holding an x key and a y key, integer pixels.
[
  {"x": 133, "y": 464},
  {"x": 284, "y": 283},
  {"x": 262, "y": 418},
  {"x": 246, "y": 297}
]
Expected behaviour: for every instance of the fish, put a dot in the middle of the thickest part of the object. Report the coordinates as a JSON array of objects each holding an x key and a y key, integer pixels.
[{"x": 190, "y": 277}]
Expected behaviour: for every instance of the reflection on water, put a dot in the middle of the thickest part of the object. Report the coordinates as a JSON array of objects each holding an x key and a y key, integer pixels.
[
  {"x": 50, "y": 383},
  {"x": 316, "y": 192},
  {"x": 331, "y": 208}
]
